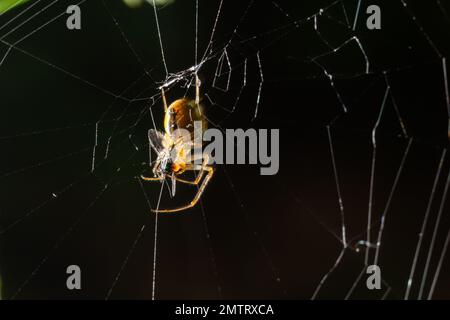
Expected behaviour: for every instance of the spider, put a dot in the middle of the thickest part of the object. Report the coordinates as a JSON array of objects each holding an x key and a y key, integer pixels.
[{"x": 174, "y": 152}]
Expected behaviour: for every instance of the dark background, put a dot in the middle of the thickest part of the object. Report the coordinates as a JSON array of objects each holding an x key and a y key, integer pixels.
[{"x": 252, "y": 236}]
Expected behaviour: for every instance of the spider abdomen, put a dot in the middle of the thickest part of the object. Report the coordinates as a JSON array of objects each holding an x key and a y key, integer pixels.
[{"x": 182, "y": 114}]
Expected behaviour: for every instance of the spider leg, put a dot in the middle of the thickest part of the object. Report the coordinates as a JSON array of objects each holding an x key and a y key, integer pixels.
[
  {"x": 193, "y": 182},
  {"x": 197, "y": 90},
  {"x": 151, "y": 178},
  {"x": 197, "y": 197},
  {"x": 163, "y": 95},
  {"x": 194, "y": 168}
]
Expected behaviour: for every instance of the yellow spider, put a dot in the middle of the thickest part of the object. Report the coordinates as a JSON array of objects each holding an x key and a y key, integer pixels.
[{"x": 174, "y": 152}]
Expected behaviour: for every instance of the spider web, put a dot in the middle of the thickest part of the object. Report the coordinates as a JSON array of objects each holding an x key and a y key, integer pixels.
[{"x": 364, "y": 175}]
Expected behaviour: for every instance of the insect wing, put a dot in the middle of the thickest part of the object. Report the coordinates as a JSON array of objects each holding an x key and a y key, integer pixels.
[{"x": 156, "y": 138}]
